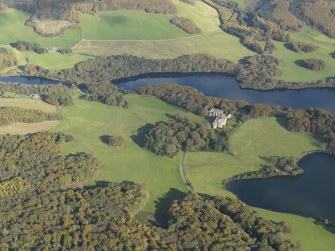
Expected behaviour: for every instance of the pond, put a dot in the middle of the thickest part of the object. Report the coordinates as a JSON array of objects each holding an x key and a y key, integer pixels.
[
  {"x": 310, "y": 194},
  {"x": 222, "y": 86},
  {"x": 28, "y": 80}
]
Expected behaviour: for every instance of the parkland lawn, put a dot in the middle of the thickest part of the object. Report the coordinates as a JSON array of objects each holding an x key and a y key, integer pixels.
[
  {"x": 129, "y": 25},
  {"x": 293, "y": 72},
  {"x": 87, "y": 121},
  {"x": 13, "y": 28}
]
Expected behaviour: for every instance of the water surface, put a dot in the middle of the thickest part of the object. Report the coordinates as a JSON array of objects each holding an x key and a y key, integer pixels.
[
  {"x": 28, "y": 80},
  {"x": 310, "y": 194},
  {"x": 222, "y": 86}
]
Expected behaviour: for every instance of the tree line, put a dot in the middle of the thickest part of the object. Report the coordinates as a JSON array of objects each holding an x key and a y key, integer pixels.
[
  {"x": 10, "y": 115},
  {"x": 54, "y": 94}
]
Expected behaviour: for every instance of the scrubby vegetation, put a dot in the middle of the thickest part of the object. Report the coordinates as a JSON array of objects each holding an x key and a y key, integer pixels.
[
  {"x": 278, "y": 166},
  {"x": 185, "y": 24},
  {"x": 183, "y": 134},
  {"x": 114, "y": 141},
  {"x": 312, "y": 64},
  {"x": 302, "y": 47},
  {"x": 7, "y": 58},
  {"x": 29, "y": 46},
  {"x": 54, "y": 94},
  {"x": 10, "y": 115}
]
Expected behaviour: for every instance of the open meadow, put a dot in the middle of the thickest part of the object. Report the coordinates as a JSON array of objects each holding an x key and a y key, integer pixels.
[
  {"x": 129, "y": 25},
  {"x": 293, "y": 72},
  {"x": 87, "y": 121},
  {"x": 13, "y": 28}
]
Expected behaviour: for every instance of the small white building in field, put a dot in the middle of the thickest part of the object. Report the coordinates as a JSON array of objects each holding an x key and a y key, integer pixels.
[{"x": 35, "y": 96}]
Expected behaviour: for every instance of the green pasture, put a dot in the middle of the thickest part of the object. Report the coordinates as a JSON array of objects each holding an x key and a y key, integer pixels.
[
  {"x": 129, "y": 25},
  {"x": 13, "y": 28},
  {"x": 204, "y": 17},
  {"x": 218, "y": 44},
  {"x": 87, "y": 121},
  {"x": 311, "y": 236},
  {"x": 293, "y": 72},
  {"x": 54, "y": 60}
]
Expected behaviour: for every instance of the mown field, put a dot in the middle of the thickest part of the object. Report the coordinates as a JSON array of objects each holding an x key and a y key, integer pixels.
[
  {"x": 255, "y": 139},
  {"x": 12, "y": 29},
  {"x": 217, "y": 44},
  {"x": 87, "y": 121},
  {"x": 129, "y": 25},
  {"x": 293, "y": 72},
  {"x": 204, "y": 17}
]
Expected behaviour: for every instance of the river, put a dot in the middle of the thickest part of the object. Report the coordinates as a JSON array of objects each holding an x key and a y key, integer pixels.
[{"x": 226, "y": 87}]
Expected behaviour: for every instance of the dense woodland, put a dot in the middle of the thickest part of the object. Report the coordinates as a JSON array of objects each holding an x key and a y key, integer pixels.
[
  {"x": 10, "y": 115},
  {"x": 104, "y": 92},
  {"x": 183, "y": 134},
  {"x": 125, "y": 66},
  {"x": 54, "y": 94},
  {"x": 316, "y": 121}
]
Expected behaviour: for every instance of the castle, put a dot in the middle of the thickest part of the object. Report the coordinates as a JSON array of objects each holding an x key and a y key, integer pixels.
[{"x": 220, "y": 118}]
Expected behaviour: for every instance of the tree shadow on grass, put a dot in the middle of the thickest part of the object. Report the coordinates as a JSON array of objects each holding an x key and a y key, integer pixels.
[
  {"x": 104, "y": 139},
  {"x": 138, "y": 137},
  {"x": 163, "y": 205}
]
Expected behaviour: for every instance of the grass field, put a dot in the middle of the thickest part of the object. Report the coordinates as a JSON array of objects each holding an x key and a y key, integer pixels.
[
  {"x": 204, "y": 17},
  {"x": 312, "y": 237},
  {"x": 129, "y": 25},
  {"x": 217, "y": 44},
  {"x": 28, "y": 103},
  {"x": 87, "y": 121},
  {"x": 12, "y": 29},
  {"x": 55, "y": 60},
  {"x": 25, "y": 128},
  {"x": 293, "y": 72}
]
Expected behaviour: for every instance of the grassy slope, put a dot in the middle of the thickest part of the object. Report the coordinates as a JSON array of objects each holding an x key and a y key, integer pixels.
[
  {"x": 218, "y": 44},
  {"x": 204, "y": 17},
  {"x": 312, "y": 237},
  {"x": 87, "y": 121},
  {"x": 129, "y": 25},
  {"x": 293, "y": 72},
  {"x": 12, "y": 29},
  {"x": 254, "y": 139},
  {"x": 28, "y": 103},
  {"x": 55, "y": 60},
  {"x": 25, "y": 128}
]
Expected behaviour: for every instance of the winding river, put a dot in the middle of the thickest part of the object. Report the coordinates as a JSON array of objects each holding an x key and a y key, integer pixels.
[{"x": 227, "y": 87}]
